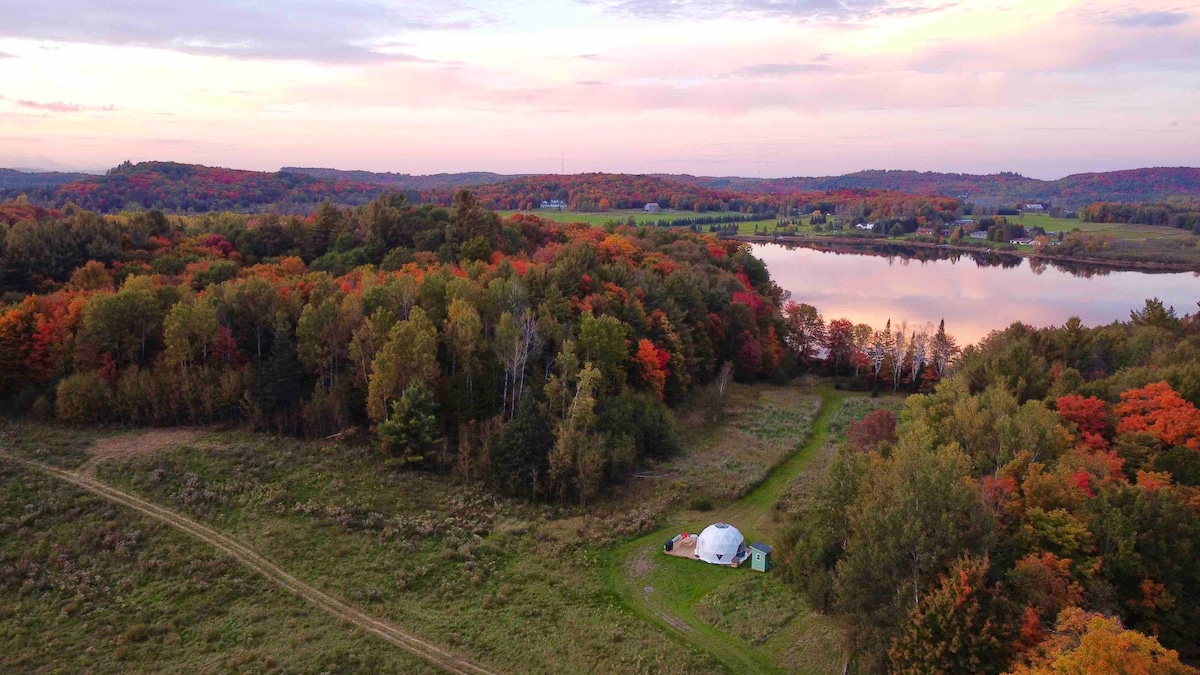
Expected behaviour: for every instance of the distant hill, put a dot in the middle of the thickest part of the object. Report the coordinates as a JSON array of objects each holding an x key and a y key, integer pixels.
[
  {"x": 178, "y": 187},
  {"x": 175, "y": 187},
  {"x": 594, "y": 192},
  {"x": 13, "y": 179},
  {"x": 406, "y": 181},
  {"x": 1135, "y": 185}
]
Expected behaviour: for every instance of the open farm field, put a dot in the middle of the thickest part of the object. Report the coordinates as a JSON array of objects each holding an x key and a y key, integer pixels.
[{"x": 597, "y": 219}]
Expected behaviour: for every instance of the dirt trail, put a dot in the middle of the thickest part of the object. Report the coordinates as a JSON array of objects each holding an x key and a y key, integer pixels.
[
  {"x": 130, "y": 445},
  {"x": 250, "y": 558}
]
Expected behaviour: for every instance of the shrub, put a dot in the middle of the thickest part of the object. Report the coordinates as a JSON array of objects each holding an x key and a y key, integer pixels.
[{"x": 82, "y": 398}]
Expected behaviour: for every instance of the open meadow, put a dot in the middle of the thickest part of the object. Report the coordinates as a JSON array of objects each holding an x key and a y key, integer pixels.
[{"x": 510, "y": 586}]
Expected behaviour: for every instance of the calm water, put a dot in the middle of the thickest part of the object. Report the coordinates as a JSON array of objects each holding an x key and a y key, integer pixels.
[{"x": 973, "y": 296}]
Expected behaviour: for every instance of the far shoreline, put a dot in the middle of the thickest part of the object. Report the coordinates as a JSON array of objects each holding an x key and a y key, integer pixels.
[{"x": 1115, "y": 265}]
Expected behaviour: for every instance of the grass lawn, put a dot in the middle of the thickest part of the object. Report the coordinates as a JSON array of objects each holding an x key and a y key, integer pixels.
[{"x": 1120, "y": 230}]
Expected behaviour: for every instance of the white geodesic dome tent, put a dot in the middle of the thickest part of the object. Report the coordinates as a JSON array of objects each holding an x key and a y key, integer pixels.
[{"x": 721, "y": 544}]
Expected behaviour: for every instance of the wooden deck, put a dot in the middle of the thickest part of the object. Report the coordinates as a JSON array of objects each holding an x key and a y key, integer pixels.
[{"x": 684, "y": 548}]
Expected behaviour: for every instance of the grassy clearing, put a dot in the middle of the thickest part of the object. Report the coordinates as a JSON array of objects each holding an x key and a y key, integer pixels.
[
  {"x": 89, "y": 587},
  {"x": 511, "y": 586},
  {"x": 697, "y": 601},
  {"x": 724, "y": 461},
  {"x": 488, "y": 578},
  {"x": 803, "y": 489}
]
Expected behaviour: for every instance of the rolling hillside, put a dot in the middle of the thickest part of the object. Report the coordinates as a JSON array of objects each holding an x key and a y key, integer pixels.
[{"x": 182, "y": 187}]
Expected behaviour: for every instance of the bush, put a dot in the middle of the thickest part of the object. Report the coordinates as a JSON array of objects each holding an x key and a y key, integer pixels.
[
  {"x": 82, "y": 398},
  {"x": 643, "y": 419}
]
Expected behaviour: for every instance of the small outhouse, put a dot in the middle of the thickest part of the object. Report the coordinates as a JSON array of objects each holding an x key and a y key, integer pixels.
[{"x": 760, "y": 556}]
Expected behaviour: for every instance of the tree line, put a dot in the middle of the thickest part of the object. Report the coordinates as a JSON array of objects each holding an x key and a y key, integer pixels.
[{"x": 542, "y": 358}]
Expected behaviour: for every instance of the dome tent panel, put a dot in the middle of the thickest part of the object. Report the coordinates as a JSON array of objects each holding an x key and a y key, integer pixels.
[{"x": 721, "y": 544}]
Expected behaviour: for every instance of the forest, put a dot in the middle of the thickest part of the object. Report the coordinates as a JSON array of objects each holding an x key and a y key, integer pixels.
[
  {"x": 1035, "y": 503},
  {"x": 1075, "y": 191},
  {"x": 440, "y": 329},
  {"x": 182, "y": 188},
  {"x": 1038, "y": 511},
  {"x": 1179, "y": 213},
  {"x": 992, "y": 190}
]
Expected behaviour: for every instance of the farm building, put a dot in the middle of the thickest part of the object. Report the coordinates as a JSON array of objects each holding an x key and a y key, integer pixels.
[
  {"x": 555, "y": 204},
  {"x": 924, "y": 231},
  {"x": 653, "y": 207}
]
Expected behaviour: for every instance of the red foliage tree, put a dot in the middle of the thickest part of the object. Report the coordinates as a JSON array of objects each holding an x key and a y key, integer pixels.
[
  {"x": 1089, "y": 414},
  {"x": 873, "y": 430}
]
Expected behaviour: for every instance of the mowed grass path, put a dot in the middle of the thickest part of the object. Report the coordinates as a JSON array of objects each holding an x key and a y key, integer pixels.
[{"x": 667, "y": 591}]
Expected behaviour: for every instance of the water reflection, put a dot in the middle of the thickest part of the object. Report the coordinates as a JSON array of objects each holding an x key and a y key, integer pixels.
[{"x": 975, "y": 292}]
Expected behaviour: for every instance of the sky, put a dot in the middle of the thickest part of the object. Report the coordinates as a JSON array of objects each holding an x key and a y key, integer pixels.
[{"x": 765, "y": 88}]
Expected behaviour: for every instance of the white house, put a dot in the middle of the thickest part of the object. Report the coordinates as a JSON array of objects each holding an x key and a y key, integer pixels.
[
  {"x": 652, "y": 207},
  {"x": 979, "y": 234},
  {"x": 556, "y": 204},
  {"x": 865, "y": 226},
  {"x": 1034, "y": 207}
]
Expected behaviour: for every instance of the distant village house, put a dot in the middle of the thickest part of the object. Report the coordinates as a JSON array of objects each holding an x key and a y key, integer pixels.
[
  {"x": 653, "y": 207},
  {"x": 555, "y": 204}
]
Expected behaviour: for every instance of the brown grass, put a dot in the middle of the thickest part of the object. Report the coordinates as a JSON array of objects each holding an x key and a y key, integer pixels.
[{"x": 135, "y": 444}]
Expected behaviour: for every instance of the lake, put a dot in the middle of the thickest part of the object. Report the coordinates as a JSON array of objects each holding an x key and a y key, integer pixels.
[{"x": 974, "y": 294}]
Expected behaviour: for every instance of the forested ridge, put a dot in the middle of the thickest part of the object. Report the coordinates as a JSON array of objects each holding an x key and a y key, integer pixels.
[{"x": 175, "y": 187}]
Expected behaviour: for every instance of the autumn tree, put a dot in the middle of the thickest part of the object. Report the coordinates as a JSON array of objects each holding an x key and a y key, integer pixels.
[
  {"x": 410, "y": 354},
  {"x": 653, "y": 364},
  {"x": 964, "y": 625},
  {"x": 1085, "y": 642},
  {"x": 805, "y": 330},
  {"x": 915, "y": 513},
  {"x": 839, "y": 343},
  {"x": 1159, "y": 410},
  {"x": 872, "y": 431},
  {"x": 577, "y": 462}
]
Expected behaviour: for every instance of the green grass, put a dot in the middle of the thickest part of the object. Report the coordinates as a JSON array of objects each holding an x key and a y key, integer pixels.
[
  {"x": 512, "y": 586},
  {"x": 684, "y": 595},
  {"x": 621, "y": 216},
  {"x": 489, "y": 578},
  {"x": 89, "y": 587}
]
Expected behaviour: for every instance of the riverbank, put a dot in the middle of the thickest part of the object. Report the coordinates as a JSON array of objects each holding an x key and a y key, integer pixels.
[{"x": 1116, "y": 265}]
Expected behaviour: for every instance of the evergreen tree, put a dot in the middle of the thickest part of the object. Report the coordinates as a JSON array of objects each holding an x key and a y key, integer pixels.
[
  {"x": 519, "y": 459},
  {"x": 411, "y": 428}
]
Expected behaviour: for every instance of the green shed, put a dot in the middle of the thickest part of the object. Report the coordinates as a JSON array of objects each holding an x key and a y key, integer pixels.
[{"x": 760, "y": 556}]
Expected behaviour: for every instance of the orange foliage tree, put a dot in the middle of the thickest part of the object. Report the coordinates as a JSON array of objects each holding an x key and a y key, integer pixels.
[
  {"x": 1084, "y": 643},
  {"x": 1159, "y": 410}
]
